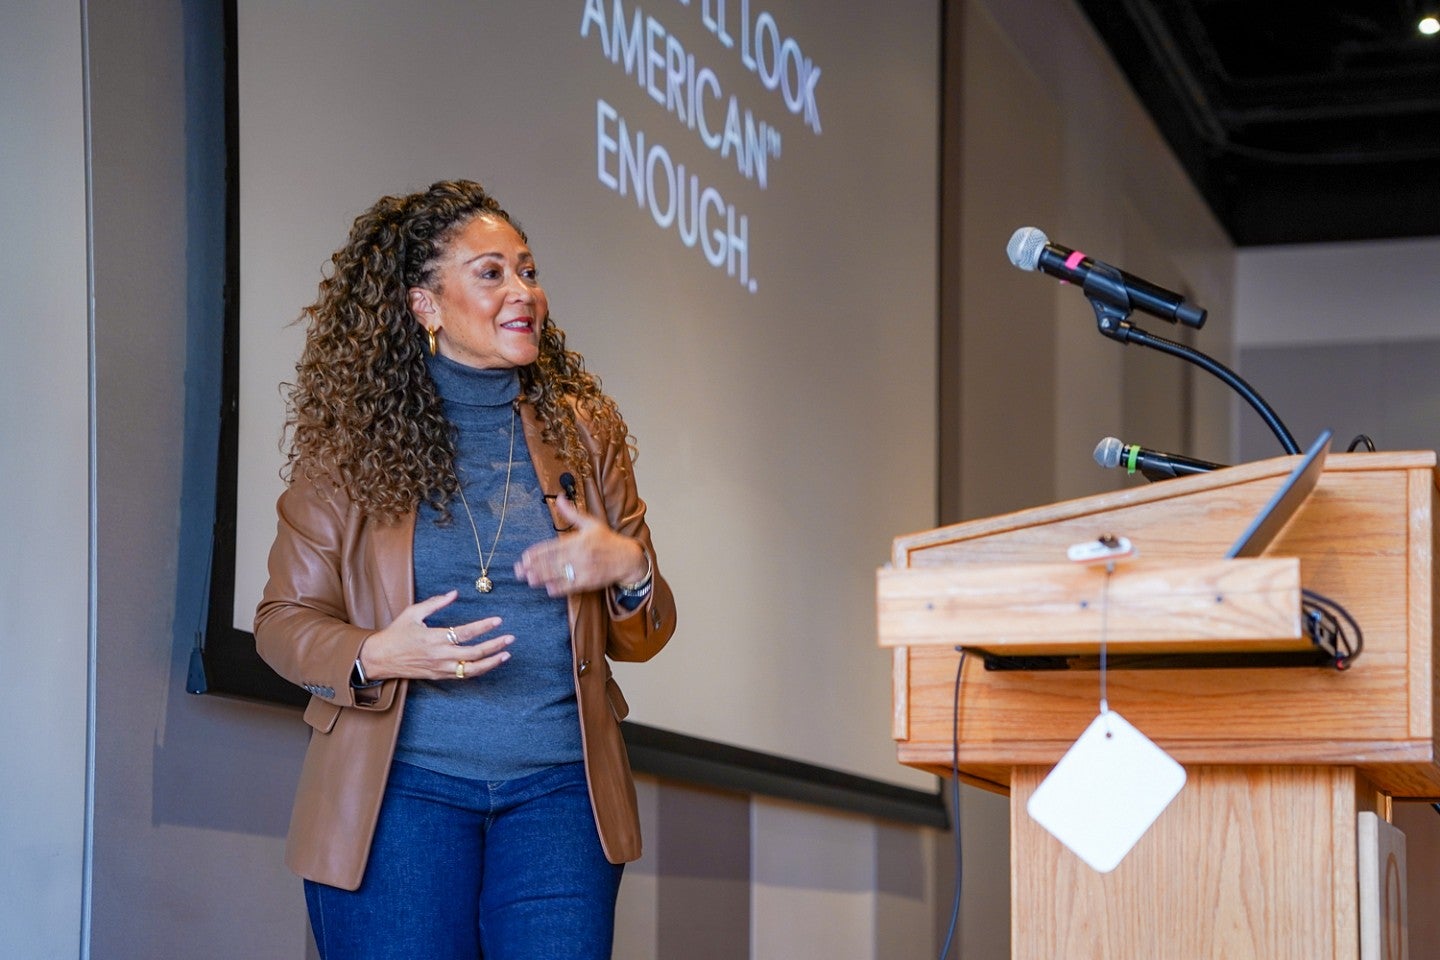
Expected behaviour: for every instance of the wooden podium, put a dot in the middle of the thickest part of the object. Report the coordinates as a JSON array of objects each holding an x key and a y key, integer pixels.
[{"x": 1257, "y": 856}]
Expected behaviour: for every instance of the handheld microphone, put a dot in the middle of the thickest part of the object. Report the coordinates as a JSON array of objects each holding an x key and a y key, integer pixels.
[
  {"x": 1029, "y": 249},
  {"x": 567, "y": 483},
  {"x": 1152, "y": 464}
]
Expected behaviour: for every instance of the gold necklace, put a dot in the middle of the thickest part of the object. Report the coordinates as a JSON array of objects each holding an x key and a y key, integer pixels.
[{"x": 483, "y": 583}]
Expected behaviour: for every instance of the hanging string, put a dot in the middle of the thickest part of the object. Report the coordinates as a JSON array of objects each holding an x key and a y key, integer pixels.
[{"x": 1104, "y": 637}]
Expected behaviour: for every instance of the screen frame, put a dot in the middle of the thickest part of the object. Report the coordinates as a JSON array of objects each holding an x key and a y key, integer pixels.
[{"x": 229, "y": 666}]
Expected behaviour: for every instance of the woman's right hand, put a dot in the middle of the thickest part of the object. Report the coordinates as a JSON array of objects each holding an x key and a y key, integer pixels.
[{"x": 408, "y": 648}]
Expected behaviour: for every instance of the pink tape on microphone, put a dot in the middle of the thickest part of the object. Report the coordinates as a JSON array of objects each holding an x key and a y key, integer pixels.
[{"x": 1073, "y": 261}]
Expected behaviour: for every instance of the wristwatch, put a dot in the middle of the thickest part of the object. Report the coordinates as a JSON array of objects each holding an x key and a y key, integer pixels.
[
  {"x": 358, "y": 678},
  {"x": 640, "y": 587}
]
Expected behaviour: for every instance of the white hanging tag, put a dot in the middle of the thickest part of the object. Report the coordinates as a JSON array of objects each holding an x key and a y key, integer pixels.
[{"x": 1106, "y": 791}]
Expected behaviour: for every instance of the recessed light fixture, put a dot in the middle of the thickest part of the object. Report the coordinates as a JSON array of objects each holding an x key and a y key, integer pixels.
[{"x": 1429, "y": 25}]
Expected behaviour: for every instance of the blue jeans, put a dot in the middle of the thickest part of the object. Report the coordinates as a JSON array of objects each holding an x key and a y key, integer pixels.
[{"x": 462, "y": 869}]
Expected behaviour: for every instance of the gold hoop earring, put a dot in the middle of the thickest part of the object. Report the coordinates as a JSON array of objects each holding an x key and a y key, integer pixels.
[{"x": 434, "y": 344}]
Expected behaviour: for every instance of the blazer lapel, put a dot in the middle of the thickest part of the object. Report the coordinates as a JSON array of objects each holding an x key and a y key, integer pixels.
[
  {"x": 393, "y": 546},
  {"x": 548, "y": 465},
  {"x": 548, "y": 468}
]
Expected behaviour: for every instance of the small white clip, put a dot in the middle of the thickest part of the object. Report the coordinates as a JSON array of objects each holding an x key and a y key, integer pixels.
[{"x": 1108, "y": 547}]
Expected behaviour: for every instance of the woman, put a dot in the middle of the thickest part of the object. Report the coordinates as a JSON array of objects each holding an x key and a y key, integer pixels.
[{"x": 466, "y": 789}]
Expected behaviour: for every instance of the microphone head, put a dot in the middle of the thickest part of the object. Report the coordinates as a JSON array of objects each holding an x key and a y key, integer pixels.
[
  {"x": 1108, "y": 452},
  {"x": 1025, "y": 246}
]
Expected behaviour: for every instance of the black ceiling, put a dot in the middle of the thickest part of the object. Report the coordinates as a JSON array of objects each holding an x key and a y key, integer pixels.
[{"x": 1298, "y": 121}]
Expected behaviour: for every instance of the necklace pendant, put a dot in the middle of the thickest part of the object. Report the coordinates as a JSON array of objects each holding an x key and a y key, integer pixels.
[{"x": 484, "y": 584}]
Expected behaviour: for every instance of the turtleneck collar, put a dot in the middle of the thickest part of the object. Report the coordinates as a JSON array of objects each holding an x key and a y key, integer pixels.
[{"x": 472, "y": 386}]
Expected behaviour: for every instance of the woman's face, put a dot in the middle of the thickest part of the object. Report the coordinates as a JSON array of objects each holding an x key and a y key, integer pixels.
[{"x": 488, "y": 304}]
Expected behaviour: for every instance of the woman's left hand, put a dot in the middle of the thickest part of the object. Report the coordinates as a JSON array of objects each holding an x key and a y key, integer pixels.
[{"x": 589, "y": 557}]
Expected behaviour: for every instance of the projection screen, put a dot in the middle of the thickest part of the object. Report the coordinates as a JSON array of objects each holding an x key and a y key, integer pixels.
[{"x": 734, "y": 210}]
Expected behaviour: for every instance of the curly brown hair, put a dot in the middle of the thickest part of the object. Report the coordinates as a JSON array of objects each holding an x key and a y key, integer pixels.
[{"x": 363, "y": 413}]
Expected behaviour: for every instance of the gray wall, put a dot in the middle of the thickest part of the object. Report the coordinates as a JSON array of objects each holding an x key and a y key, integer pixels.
[
  {"x": 45, "y": 601},
  {"x": 1389, "y": 392},
  {"x": 191, "y": 794},
  {"x": 1343, "y": 337}
]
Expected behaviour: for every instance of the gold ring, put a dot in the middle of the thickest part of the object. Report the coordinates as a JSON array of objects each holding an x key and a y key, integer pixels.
[
  {"x": 459, "y": 669},
  {"x": 450, "y": 635}
]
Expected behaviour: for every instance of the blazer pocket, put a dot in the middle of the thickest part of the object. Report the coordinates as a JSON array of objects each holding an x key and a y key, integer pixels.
[
  {"x": 618, "y": 706},
  {"x": 321, "y": 714}
]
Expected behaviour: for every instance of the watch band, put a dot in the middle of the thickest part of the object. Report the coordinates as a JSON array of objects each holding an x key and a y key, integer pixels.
[{"x": 640, "y": 587}]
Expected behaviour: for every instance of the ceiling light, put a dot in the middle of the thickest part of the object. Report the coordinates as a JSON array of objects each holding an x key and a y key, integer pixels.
[{"x": 1430, "y": 25}]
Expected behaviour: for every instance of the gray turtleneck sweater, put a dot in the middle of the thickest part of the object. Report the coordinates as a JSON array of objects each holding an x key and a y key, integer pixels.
[{"x": 520, "y": 717}]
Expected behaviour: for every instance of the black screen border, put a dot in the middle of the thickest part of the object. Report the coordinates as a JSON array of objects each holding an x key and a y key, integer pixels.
[{"x": 230, "y": 666}]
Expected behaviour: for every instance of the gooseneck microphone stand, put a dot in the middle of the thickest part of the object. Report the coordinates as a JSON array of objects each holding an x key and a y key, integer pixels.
[{"x": 1106, "y": 292}]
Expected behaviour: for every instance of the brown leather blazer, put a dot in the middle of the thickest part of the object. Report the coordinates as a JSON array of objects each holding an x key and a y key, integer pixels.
[{"x": 337, "y": 576}]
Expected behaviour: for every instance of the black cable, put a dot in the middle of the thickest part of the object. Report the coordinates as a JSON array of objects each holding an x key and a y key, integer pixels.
[
  {"x": 1361, "y": 440},
  {"x": 1105, "y": 289},
  {"x": 1229, "y": 377},
  {"x": 1322, "y": 618},
  {"x": 955, "y": 807}
]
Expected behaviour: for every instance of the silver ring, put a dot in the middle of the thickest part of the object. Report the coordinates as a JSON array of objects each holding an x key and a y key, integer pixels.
[
  {"x": 569, "y": 573},
  {"x": 450, "y": 635}
]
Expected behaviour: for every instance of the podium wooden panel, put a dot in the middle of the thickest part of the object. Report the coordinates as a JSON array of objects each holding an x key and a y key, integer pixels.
[{"x": 1257, "y": 856}]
